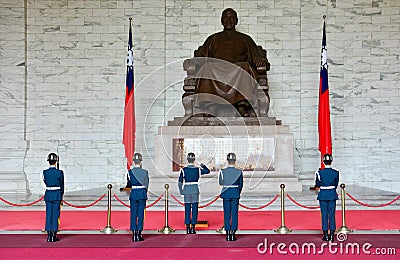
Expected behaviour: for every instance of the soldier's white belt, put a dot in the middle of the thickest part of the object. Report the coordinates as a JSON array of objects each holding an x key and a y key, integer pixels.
[
  {"x": 138, "y": 187},
  {"x": 191, "y": 183},
  {"x": 231, "y": 186},
  {"x": 53, "y": 188},
  {"x": 327, "y": 187}
]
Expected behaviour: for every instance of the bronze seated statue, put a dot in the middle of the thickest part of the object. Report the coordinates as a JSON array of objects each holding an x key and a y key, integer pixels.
[{"x": 227, "y": 76}]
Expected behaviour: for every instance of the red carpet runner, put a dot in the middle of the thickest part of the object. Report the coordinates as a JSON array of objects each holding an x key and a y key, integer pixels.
[
  {"x": 248, "y": 220},
  {"x": 187, "y": 241},
  {"x": 178, "y": 246}
]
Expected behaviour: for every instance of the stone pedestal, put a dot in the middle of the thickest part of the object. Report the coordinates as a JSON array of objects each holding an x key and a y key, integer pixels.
[
  {"x": 13, "y": 179},
  {"x": 265, "y": 151}
]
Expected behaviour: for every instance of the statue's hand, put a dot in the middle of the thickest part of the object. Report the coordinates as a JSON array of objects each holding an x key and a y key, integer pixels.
[
  {"x": 261, "y": 62},
  {"x": 191, "y": 65}
]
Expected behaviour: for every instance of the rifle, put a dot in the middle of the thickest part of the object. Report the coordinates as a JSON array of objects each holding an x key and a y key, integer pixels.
[{"x": 58, "y": 167}]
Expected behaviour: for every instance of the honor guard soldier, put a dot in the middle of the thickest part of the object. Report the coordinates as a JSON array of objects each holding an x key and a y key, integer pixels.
[
  {"x": 188, "y": 184},
  {"x": 326, "y": 181},
  {"x": 231, "y": 179},
  {"x": 138, "y": 181},
  {"x": 53, "y": 178}
]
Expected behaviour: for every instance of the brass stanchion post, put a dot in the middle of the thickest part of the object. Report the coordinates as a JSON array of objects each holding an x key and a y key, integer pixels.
[
  {"x": 166, "y": 229},
  {"x": 109, "y": 229},
  {"x": 283, "y": 229},
  {"x": 343, "y": 228}
]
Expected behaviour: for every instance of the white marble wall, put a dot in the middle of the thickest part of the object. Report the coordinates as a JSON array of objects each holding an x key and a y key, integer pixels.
[{"x": 72, "y": 98}]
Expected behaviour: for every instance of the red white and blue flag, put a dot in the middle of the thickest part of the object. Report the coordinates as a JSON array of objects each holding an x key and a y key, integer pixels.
[
  {"x": 324, "y": 121},
  {"x": 129, "y": 134}
]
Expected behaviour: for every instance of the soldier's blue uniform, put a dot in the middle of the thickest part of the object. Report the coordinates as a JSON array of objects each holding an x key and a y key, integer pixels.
[
  {"x": 188, "y": 184},
  {"x": 138, "y": 181},
  {"x": 231, "y": 179},
  {"x": 54, "y": 181},
  {"x": 327, "y": 180}
]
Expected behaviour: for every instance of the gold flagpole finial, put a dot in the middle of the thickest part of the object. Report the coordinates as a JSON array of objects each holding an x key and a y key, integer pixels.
[{"x": 324, "y": 16}]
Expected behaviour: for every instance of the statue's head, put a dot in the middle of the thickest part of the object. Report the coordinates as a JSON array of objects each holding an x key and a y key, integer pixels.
[{"x": 229, "y": 19}]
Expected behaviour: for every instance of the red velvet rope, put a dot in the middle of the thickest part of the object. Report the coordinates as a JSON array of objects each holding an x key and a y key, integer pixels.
[
  {"x": 300, "y": 205},
  {"x": 155, "y": 202},
  {"x": 182, "y": 204},
  {"x": 261, "y": 207},
  {"x": 84, "y": 206},
  {"x": 211, "y": 202},
  {"x": 202, "y": 206},
  {"x": 216, "y": 198},
  {"x": 148, "y": 206},
  {"x": 120, "y": 201},
  {"x": 373, "y": 206},
  {"x": 21, "y": 205}
]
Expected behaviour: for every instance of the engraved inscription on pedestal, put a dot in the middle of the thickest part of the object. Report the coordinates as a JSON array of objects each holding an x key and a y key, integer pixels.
[{"x": 254, "y": 154}]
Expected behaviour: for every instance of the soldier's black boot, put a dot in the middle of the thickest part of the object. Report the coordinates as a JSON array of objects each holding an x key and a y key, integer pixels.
[
  {"x": 332, "y": 235},
  {"x": 227, "y": 235},
  {"x": 49, "y": 236},
  {"x": 230, "y": 235},
  {"x": 135, "y": 236},
  {"x": 233, "y": 236},
  {"x": 55, "y": 238},
  {"x": 52, "y": 236},
  {"x": 193, "y": 229},
  {"x": 139, "y": 235},
  {"x": 188, "y": 229},
  {"x": 325, "y": 237}
]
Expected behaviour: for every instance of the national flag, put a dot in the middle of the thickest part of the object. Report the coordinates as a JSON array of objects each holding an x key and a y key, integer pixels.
[
  {"x": 129, "y": 134},
  {"x": 324, "y": 121}
]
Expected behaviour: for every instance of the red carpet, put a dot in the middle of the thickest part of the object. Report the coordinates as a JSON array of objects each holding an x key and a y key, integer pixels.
[
  {"x": 248, "y": 220},
  {"x": 130, "y": 253},
  {"x": 178, "y": 246},
  {"x": 167, "y": 253},
  {"x": 188, "y": 241}
]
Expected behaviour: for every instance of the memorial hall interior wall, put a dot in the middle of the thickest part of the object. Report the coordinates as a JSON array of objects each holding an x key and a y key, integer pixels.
[{"x": 63, "y": 69}]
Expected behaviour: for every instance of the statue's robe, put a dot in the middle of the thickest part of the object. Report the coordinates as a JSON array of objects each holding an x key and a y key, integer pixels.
[{"x": 229, "y": 74}]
